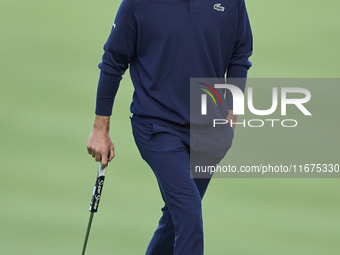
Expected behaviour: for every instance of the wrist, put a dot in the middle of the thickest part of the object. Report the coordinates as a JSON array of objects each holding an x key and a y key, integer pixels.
[{"x": 101, "y": 123}]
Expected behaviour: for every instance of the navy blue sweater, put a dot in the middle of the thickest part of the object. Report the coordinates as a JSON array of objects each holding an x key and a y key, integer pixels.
[{"x": 167, "y": 42}]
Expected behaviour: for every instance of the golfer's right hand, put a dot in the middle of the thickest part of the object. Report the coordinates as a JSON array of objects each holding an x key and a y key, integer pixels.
[{"x": 100, "y": 144}]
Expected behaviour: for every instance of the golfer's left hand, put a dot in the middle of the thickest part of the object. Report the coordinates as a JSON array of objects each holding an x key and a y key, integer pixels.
[{"x": 231, "y": 118}]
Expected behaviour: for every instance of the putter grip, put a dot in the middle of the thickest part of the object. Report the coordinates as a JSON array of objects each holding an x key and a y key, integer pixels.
[{"x": 98, "y": 188}]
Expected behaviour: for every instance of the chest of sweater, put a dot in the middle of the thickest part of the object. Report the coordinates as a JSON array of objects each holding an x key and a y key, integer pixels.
[{"x": 186, "y": 24}]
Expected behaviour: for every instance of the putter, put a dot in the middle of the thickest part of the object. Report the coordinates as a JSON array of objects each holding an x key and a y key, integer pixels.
[{"x": 98, "y": 188}]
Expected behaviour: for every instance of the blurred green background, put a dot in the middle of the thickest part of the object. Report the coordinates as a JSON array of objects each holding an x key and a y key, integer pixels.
[{"x": 48, "y": 75}]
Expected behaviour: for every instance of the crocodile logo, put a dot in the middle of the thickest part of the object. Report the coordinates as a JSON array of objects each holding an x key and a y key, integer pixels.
[{"x": 219, "y": 7}]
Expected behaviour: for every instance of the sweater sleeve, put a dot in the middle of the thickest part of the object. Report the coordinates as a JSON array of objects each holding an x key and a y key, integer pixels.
[
  {"x": 239, "y": 63},
  {"x": 118, "y": 51}
]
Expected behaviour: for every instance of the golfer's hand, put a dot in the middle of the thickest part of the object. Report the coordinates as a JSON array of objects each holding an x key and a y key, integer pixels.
[
  {"x": 100, "y": 144},
  {"x": 231, "y": 118}
]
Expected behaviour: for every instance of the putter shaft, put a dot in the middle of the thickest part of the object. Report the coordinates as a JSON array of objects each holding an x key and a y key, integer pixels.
[
  {"x": 98, "y": 188},
  {"x": 87, "y": 232}
]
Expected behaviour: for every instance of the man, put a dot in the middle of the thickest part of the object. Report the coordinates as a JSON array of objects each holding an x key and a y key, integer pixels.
[{"x": 167, "y": 42}]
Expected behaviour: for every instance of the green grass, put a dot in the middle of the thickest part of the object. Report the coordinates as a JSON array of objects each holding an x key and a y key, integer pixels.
[{"x": 48, "y": 60}]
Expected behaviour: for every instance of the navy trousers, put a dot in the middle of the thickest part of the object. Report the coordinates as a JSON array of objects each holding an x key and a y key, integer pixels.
[{"x": 167, "y": 151}]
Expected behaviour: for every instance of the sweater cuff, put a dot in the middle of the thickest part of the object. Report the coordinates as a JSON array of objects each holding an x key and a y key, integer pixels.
[
  {"x": 236, "y": 76},
  {"x": 106, "y": 92}
]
